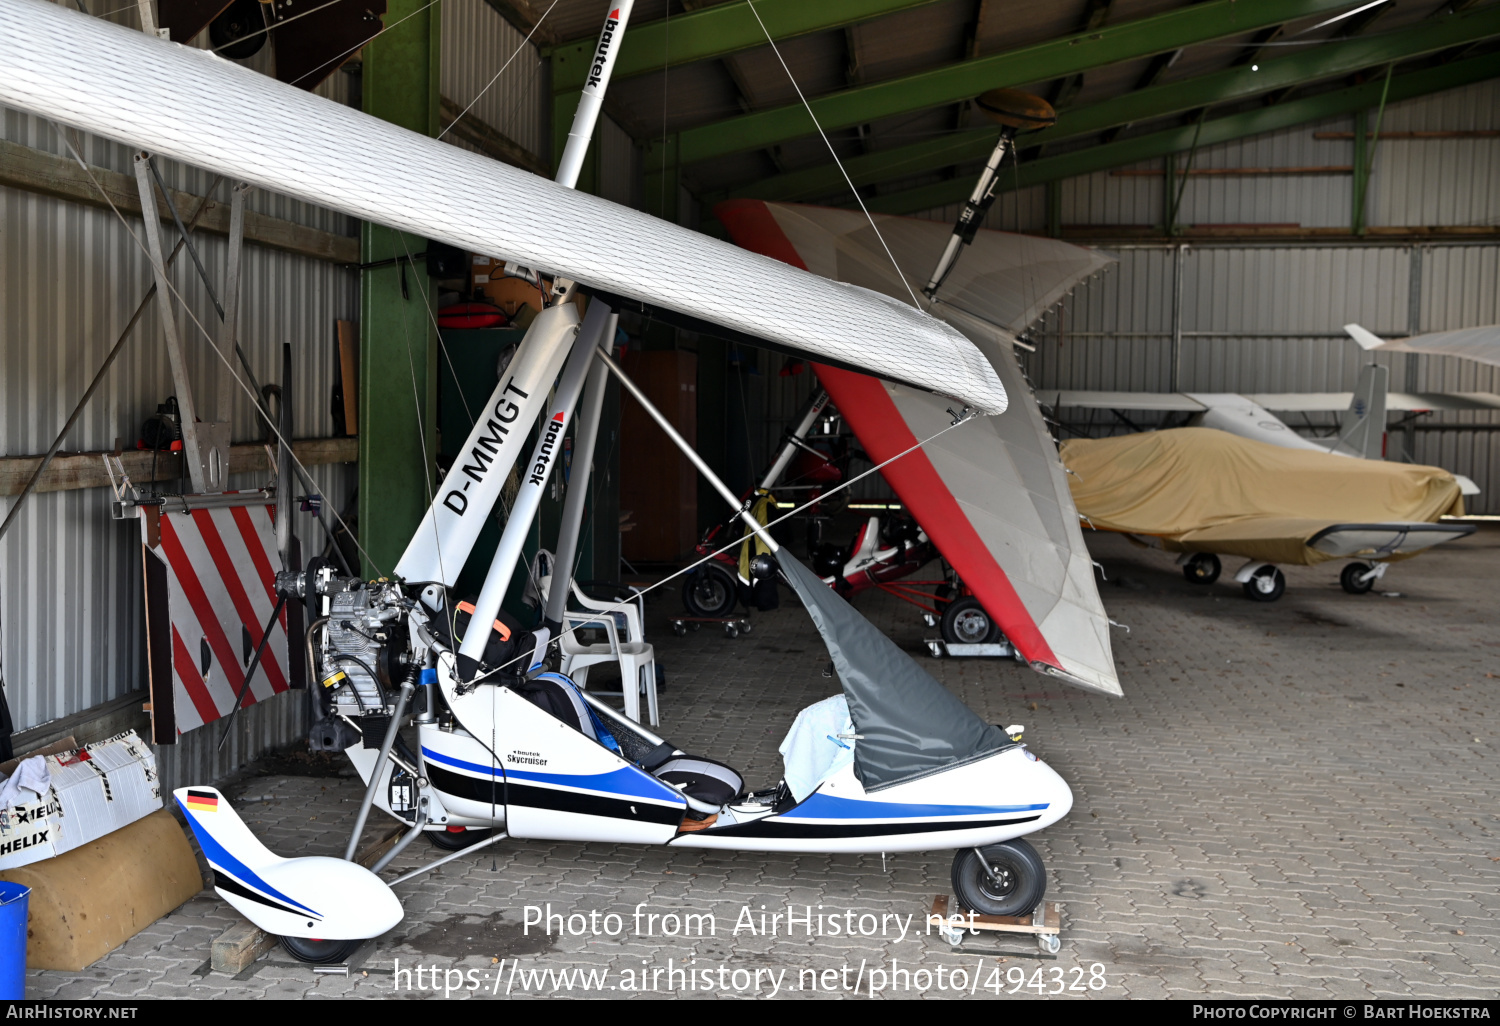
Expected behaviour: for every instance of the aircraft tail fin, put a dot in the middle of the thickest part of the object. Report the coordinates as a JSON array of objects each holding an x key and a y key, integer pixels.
[
  {"x": 226, "y": 841},
  {"x": 1362, "y": 425}
]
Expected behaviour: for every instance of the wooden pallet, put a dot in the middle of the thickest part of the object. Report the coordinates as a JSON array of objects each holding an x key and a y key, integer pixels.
[{"x": 1044, "y": 920}]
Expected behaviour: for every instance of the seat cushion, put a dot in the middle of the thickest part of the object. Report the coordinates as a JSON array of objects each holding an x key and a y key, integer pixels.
[{"x": 707, "y": 781}]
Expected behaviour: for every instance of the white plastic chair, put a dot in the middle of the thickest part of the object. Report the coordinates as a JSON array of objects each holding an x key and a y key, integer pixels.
[{"x": 637, "y": 661}]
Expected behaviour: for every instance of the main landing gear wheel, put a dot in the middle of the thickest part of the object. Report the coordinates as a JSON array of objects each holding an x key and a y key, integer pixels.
[
  {"x": 319, "y": 952},
  {"x": 1266, "y": 584},
  {"x": 711, "y": 591},
  {"x": 457, "y": 838},
  {"x": 1017, "y": 887},
  {"x": 1203, "y": 568},
  {"x": 1350, "y": 576},
  {"x": 965, "y": 622}
]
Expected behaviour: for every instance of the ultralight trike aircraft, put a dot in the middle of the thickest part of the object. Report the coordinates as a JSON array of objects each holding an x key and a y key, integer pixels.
[{"x": 503, "y": 747}]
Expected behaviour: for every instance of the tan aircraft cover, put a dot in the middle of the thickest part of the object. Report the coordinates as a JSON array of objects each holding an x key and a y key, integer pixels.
[{"x": 1201, "y": 490}]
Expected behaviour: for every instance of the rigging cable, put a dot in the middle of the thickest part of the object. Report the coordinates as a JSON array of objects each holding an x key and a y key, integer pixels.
[{"x": 857, "y": 197}]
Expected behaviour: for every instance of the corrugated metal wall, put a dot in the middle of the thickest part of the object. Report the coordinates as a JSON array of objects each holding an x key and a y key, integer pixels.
[
  {"x": 487, "y": 63},
  {"x": 71, "y": 626},
  {"x": 1267, "y": 317}
]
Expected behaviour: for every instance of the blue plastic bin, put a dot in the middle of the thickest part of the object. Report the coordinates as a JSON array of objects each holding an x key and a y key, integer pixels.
[{"x": 13, "y": 902}]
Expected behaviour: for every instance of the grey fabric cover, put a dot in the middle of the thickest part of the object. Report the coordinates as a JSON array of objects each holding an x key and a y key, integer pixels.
[{"x": 909, "y": 724}]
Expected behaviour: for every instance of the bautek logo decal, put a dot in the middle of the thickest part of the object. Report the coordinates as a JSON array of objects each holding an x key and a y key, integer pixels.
[
  {"x": 601, "y": 52},
  {"x": 544, "y": 454}
]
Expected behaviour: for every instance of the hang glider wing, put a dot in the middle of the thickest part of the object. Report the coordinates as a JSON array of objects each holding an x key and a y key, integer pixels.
[
  {"x": 1481, "y": 344},
  {"x": 991, "y": 495},
  {"x": 1200, "y": 490},
  {"x": 192, "y": 106},
  {"x": 1005, "y": 279}
]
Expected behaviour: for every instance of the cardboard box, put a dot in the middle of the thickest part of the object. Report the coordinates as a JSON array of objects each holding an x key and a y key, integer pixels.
[
  {"x": 90, "y": 901},
  {"x": 95, "y": 790}
]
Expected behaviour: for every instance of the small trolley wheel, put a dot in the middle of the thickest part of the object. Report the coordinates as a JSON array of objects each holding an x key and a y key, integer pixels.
[
  {"x": 1266, "y": 584},
  {"x": 679, "y": 628},
  {"x": 694, "y": 626},
  {"x": 1350, "y": 576},
  {"x": 457, "y": 838},
  {"x": 319, "y": 952},
  {"x": 744, "y": 626},
  {"x": 952, "y": 934},
  {"x": 1017, "y": 887},
  {"x": 1051, "y": 943},
  {"x": 731, "y": 631},
  {"x": 1203, "y": 568}
]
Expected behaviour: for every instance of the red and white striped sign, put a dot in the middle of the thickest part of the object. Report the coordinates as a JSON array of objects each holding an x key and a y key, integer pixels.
[{"x": 216, "y": 569}]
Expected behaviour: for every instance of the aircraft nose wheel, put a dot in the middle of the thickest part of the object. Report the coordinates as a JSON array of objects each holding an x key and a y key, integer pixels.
[
  {"x": 1010, "y": 881},
  {"x": 319, "y": 952}
]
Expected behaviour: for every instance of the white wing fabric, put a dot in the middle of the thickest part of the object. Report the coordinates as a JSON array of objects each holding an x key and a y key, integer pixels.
[
  {"x": 188, "y": 104},
  {"x": 1481, "y": 344},
  {"x": 1006, "y": 279}
]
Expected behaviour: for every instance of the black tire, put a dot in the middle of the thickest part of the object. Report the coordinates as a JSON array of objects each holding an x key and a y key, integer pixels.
[
  {"x": 319, "y": 952},
  {"x": 711, "y": 590},
  {"x": 1022, "y": 883},
  {"x": 1266, "y": 585},
  {"x": 1203, "y": 568},
  {"x": 965, "y": 622},
  {"x": 457, "y": 840},
  {"x": 1349, "y": 578}
]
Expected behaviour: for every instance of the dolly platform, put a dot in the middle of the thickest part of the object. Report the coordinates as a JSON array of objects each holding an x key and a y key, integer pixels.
[{"x": 1044, "y": 923}]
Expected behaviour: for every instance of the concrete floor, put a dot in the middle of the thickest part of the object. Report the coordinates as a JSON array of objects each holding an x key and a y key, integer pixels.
[{"x": 1292, "y": 800}]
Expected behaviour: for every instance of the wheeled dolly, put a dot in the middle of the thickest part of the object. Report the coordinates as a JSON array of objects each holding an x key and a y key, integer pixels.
[
  {"x": 938, "y": 648},
  {"x": 733, "y": 626},
  {"x": 1044, "y": 923}
]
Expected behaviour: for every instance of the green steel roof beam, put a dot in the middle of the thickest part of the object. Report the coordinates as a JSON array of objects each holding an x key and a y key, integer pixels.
[
  {"x": 1202, "y": 22},
  {"x": 1177, "y": 140},
  {"x": 713, "y": 32},
  {"x": 1326, "y": 61}
]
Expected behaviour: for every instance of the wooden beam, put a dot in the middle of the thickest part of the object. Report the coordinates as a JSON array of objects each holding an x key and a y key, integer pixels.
[
  {"x": 47, "y": 174},
  {"x": 70, "y": 471}
]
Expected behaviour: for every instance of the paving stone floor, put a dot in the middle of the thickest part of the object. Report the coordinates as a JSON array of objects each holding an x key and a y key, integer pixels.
[{"x": 1292, "y": 800}]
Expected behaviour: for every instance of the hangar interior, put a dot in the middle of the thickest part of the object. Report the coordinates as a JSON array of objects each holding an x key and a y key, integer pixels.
[{"x": 1258, "y": 174}]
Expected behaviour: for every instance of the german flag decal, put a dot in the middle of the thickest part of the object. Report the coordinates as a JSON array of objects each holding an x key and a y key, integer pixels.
[{"x": 203, "y": 801}]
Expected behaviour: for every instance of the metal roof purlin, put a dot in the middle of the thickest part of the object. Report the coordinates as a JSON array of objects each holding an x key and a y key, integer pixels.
[
  {"x": 1214, "y": 19},
  {"x": 1327, "y": 61},
  {"x": 1217, "y": 130},
  {"x": 714, "y": 32}
]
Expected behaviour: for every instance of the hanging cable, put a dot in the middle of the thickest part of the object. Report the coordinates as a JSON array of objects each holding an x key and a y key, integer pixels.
[
  {"x": 492, "y": 81},
  {"x": 857, "y": 197}
]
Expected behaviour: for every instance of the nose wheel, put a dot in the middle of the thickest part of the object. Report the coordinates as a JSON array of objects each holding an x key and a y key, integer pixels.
[
  {"x": 319, "y": 952},
  {"x": 1000, "y": 880}
]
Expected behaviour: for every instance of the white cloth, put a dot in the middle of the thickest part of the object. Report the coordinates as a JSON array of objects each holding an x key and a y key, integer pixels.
[
  {"x": 812, "y": 750},
  {"x": 30, "y": 775}
]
